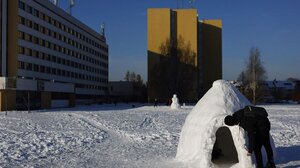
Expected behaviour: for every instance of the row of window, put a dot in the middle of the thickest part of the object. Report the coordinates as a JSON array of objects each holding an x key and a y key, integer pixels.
[
  {"x": 44, "y": 56},
  {"x": 58, "y": 48},
  {"x": 59, "y": 72},
  {"x": 58, "y": 36},
  {"x": 77, "y": 85},
  {"x": 50, "y": 20}
]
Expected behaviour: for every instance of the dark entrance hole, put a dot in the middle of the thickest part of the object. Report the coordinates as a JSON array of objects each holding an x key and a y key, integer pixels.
[{"x": 224, "y": 152}]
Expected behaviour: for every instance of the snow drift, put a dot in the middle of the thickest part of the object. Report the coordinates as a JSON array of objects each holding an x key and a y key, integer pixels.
[{"x": 205, "y": 140}]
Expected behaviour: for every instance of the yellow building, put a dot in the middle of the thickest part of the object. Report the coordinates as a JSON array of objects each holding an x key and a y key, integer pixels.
[{"x": 184, "y": 54}]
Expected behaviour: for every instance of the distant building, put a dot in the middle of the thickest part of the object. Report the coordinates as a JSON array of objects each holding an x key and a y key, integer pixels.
[
  {"x": 275, "y": 90},
  {"x": 48, "y": 58},
  {"x": 184, "y": 54},
  {"x": 127, "y": 91}
]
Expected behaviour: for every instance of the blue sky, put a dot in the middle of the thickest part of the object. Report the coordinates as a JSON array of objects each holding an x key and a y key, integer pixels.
[{"x": 271, "y": 25}]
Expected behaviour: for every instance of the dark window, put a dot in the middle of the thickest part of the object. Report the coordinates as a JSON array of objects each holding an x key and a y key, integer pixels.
[
  {"x": 35, "y": 68},
  {"x": 53, "y": 71},
  {"x": 42, "y": 69},
  {"x": 21, "y": 35},
  {"x": 36, "y": 27},
  {"x": 36, "y": 13},
  {"x": 29, "y": 9},
  {"x": 28, "y": 66},
  {"x": 21, "y": 65},
  {"x": 29, "y": 23},
  {"x": 21, "y": 50},
  {"x": 22, "y": 20},
  {"x": 21, "y": 5},
  {"x": 48, "y": 70}
]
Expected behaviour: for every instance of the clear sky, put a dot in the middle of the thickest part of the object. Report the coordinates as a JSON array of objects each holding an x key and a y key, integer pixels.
[{"x": 271, "y": 25}]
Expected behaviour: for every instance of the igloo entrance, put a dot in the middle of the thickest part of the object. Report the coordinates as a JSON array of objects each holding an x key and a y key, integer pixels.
[{"x": 224, "y": 152}]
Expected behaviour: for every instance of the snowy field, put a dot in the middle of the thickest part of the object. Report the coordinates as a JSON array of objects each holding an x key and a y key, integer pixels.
[{"x": 122, "y": 136}]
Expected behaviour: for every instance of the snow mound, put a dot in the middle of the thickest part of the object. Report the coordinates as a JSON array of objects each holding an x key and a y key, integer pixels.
[{"x": 204, "y": 130}]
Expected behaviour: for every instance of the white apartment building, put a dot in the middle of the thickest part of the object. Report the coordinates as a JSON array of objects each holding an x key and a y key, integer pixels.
[{"x": 48, "y": 57}]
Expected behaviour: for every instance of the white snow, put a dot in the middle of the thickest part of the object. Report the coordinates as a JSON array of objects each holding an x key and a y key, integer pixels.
[{"x": 111, "y": 136}]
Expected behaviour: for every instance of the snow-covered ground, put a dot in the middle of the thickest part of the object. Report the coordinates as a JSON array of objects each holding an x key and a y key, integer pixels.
[{"x": 122, "y": 136}]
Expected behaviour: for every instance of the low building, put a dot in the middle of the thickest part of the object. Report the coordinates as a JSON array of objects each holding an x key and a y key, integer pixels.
[
  {"x": 276, "y": 91},
  {"x": 127, "y": 91}
]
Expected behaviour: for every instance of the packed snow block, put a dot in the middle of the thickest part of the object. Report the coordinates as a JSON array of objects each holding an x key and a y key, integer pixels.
[{"x": 205, "y": 140}]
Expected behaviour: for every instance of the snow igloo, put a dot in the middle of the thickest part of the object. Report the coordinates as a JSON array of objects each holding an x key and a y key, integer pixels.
[{"x": 205, "y": 141}]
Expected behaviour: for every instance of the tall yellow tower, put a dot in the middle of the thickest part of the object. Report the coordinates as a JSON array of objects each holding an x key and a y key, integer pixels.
[{"x": 177, "y": 52}]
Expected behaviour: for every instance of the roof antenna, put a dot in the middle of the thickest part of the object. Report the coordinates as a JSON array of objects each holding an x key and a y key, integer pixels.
[
  {"x": 102, "y": 29},
  {"x": 72, "y": 3}
]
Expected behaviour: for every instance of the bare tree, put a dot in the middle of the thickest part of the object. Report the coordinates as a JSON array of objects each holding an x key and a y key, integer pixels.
[
  {"x": 127, "y": 76},
  {"x": 254, "y": 74},
  {"x": 177, "y": 71}
]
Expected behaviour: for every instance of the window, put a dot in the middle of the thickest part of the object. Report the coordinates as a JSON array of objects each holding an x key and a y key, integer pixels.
[
  {"x": 29, "y": 23},
  {"x": 36, "y": 40},
  {"x": 21, "y": 5},
  {"x": 36, "y": 13},
  {"x": 53, "y": 22},
  {"x": 53, "y": 71},
  {"x": 53, "y": 58},
  {"x": 28, "y": 52},
  {"x": 48, "y": 70},
  {"x": 47, "y": 57},
  {"x": 29, "y": 9},
  {"x": 49, "y": 32},
  {"x": 22, "y": 20},
  {"x": 58, "y": 60},
  {"x": 36, "y": 27},
  {"x": 41, "y": 55},
  {"x": 35, "y": 53},
  {"x": 21, "y": 50},
  {"x": 21, "y": 35},
  {"x": 46, "y": 18},
  {"x": 42, "y": 42},
  {"x": 35, "y": 68},
  {"x": 47, "y": 44},
  {"x": 28, "y": 66},
  {"x": 42, "y": 29},
  {"x": 42, "y": 69},
  {"x": 21, "y": 65},
  {"x": 28, "y": 37},
  {"x": 49, "y": 19},
  {"x": 42, "y": 15}
]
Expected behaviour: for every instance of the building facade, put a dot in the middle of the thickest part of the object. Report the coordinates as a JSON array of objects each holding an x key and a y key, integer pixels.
[
  {"x": 48, "y": 58},
  {"x": 127, "y": 91},
  {"x": 184, "y": 54}
]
